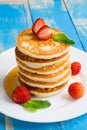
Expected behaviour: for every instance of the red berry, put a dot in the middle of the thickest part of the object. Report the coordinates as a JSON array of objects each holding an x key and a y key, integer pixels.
[
  {"x": 76, "y": 90},
  {"x": 44, "y": 33},
  {"x": 21, "y": 94},
  {"x": 37, "y": 25},
  {"x": 75, "y": 68}
]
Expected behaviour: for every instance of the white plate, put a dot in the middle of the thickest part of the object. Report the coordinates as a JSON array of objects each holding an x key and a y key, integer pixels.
[{"x": 63, "y": 106}]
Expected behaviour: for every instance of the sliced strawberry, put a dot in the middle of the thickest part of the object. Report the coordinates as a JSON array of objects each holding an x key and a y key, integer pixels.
[
  {"x": 37, "y": 25},
  {"x": 21, "y": 94},
  {"x": 44, "y": 33}
]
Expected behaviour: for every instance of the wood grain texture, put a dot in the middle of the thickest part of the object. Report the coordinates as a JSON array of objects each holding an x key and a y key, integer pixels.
[
  {"x": 21, "y": 125},
  {"x": 2, "y": 122},
  {"x": 11, "y": 1},
  {"x": 14, "y": 19},
  {"x": 77, "y": 11},
  {"x": 8, "y": 124},
  {"x": 79, "y": 123}
]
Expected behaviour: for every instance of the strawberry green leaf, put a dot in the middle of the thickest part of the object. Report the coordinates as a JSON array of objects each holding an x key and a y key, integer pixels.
[
  {"x": 62, "y": 38},
  {"x": 34, "y": 105}
]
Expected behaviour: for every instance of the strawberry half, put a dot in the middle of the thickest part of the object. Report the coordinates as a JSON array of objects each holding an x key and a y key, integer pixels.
[
  {"x": 44, "y": 33},
  {"x": 21, "y": 94},
  {"x": 37, "y": 25}
]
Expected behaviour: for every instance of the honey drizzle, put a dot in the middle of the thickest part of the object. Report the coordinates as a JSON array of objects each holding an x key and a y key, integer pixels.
[{"x": 10, "y": 81}]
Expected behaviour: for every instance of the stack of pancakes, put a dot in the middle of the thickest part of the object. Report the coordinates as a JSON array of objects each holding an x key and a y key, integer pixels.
[{"x": 43, "y": 65}]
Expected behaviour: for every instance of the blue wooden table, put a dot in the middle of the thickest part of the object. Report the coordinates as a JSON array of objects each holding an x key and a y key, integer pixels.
[{"x": 70, "y": 16}]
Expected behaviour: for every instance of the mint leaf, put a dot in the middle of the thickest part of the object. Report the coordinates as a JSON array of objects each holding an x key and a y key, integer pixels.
[
  {"x": 34, "y": 105},
  {"x": 62, "y": 38}
]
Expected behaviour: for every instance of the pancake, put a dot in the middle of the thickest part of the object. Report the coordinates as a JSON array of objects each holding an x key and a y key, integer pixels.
[
  {"x": 46, "y": 92},
  {"x": 27, "y": 58},
  {"x": 37, "y": 63},
  {"x": 44, "y": 84},
  {"x": 46, "y": 69},
  {"x": 29, "y": 44},
  {"x": 46, "y": 78}
]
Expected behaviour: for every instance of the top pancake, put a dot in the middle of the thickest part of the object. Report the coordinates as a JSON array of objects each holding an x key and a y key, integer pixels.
[{"x": 29, "y": 44}]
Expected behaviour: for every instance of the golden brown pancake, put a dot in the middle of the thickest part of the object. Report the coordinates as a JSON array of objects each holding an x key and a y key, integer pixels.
[
  {"x": 44, "y": 84},
  {"x": 46, "y": 69},
  {"x": 30, "y": 45},
  {"x": 46, "y": 92},
  {"x": 46, "y": 78},
  {"x": 38, "y": 63},
  {"x": 27, "y": 58}
]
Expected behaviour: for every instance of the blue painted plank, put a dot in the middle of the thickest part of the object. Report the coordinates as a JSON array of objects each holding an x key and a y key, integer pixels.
[
  {"x": 78, "y": 13},
  {"x": 2, "y": 122},
  {"x": 79, "y": 123},
  {"x": 12, "y": 21},
  {"x": 22, "y": 125},
  {"x": 55, "y": 15}
]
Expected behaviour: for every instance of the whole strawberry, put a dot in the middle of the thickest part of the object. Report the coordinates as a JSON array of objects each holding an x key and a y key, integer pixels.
[
  {"x": 76, "y": 90},
  {"x": 21, "y": 94},
  {"x": 75, "y": 68}
]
